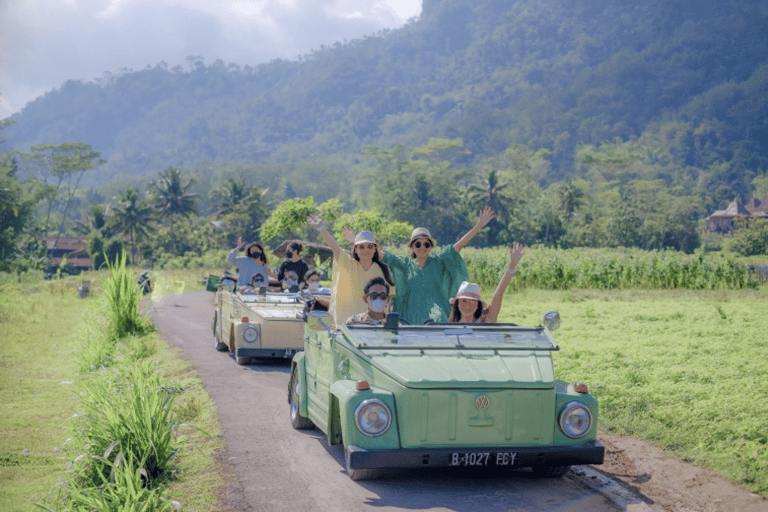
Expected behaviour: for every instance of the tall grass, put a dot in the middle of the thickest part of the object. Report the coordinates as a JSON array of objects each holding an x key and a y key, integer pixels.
[
  {"x": 609, "y": 269},
  {"x": 123, "y": 298}
]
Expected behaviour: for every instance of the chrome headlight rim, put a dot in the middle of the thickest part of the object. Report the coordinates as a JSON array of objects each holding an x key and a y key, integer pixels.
[
  {"x": 250, "y": 334},
  {"x": 365, "y": 405},
  {"x": 567, "y": 427}
]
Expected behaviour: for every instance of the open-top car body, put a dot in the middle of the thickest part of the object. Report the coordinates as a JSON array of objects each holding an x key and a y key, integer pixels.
[
  {"x": 442, "y": 395},
  {"x": 259, "y": 325}
]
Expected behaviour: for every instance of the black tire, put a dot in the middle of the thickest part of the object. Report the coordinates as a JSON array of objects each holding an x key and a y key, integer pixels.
[
  {"x": 298, "y": 421},
  {"x": 221, "y": 347},
  {"x": 550, "y": 471}
]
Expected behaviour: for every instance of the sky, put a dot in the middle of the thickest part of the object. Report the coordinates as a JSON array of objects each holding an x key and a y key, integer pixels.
[{"x": 44, "y": 43}]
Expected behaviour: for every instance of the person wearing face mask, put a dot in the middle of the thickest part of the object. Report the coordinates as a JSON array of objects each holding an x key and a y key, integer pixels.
[
  {"x": 254, "y": 262},
  {"x": 294, "y": 264},
  {"x": 351, "y": 271},
  {"x": 321, "y": 294},
  {"x": 376, "y": 295}
]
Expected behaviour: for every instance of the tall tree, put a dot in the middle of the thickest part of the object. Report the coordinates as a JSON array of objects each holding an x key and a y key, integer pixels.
[
  {"x": 242, "y": 208},
  {"x": 173, "y": 199},
  {"x": 131, "y": 217},
  {"x": 59, "y": 165}
]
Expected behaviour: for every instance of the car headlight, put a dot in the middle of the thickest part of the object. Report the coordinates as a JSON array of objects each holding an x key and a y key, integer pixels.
[
  {"x": 250, "y": 334},
  {"x": 372, "y": 417},
  {"x": 575, "y": 420}
]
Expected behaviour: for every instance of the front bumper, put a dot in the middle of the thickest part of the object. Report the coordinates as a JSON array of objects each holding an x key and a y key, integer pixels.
[
  {"x": 286, "y": 353},
  {"x": 359, "y": 458}
]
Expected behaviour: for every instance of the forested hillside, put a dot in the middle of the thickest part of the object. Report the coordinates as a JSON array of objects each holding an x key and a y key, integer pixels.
[{"x": 637, "y": 118}]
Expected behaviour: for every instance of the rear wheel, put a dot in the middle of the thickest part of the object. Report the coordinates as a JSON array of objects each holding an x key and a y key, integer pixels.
[
  {"x": 298, "y": 421},
  {"x": 550, "y": 471}
]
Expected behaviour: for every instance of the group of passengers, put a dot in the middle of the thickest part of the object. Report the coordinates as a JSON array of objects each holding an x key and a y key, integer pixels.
[{"x": 429, "y": 285}]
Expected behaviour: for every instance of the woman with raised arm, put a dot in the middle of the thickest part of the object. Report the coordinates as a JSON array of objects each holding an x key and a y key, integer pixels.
[
  {"x": 254, "y": 262},
  {"x": 351, "y": 271},
  {"x": 468, "y": 307},
  {"x": 427, "y": 279}
]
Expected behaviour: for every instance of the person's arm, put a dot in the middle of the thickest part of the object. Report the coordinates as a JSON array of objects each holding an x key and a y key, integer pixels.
[
  {"x": 485, "y": 217},
  {"x": 515, "y": 254},
  {"x": 232, "y": 256},
  {"x": 316, "y": 222}
]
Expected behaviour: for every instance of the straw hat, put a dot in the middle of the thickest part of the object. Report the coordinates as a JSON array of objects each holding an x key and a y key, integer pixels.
[
  {"x": 469, "y": 290},
  {"x": 421, "y": 233}
]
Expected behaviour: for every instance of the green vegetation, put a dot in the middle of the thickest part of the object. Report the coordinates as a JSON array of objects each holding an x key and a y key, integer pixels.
[
  {"x": 128, "y": 416},
  {"x": 681, "y": 369}
]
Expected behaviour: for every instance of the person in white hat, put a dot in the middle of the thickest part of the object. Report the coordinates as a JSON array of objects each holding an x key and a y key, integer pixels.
[
  {"x": 427, "y": 279},
  {"x": 351, "y": 271},
  {"x": 469, "y": 307}
]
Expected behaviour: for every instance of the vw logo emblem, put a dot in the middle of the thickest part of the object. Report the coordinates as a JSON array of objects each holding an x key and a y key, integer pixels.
[{"x": 482, "y": 402}]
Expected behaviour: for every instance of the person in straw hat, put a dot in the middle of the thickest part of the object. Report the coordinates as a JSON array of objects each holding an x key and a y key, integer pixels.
[
  {"x": 469, "y": 307},
  {"x": 427, "y": 279},
  {"x": 351, "y": 271}
]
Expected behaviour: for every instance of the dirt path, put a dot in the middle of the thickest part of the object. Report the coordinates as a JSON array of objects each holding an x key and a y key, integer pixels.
[{"x": 270, "y": 466}]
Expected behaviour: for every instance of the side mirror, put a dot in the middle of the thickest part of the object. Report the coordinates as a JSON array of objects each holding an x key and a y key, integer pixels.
[
  {"x": 315, "y": 320},
  {"x": 551, "y": 320}
]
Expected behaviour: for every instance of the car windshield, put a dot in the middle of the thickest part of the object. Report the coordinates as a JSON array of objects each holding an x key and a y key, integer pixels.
[
  {"x": 271, "y": 297},
  {"x": 487, "y": 336}
]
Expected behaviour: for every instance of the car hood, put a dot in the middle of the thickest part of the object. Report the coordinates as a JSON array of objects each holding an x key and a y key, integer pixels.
[{"x": 467, "y": 369}]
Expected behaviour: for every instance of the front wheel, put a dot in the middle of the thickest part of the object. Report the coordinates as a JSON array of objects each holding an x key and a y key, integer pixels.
[
  {"x": 550, "y": 471},
  {"x": 298, "y": 421}
]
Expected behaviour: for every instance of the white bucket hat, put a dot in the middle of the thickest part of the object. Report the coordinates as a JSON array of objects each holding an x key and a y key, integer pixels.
[
  {"x": 365, "y": 237},
  {"x": 469, "y": 290}
]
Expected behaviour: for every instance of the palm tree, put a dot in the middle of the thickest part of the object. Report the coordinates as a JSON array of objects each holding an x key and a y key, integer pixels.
[
  {"x": 172, "y": 198},
  {"x": 491, "y": 191},
  {"x": 241, "y": 207},
  {"x": 571, "y": 198},
  {"x": 132, "y": 217}
]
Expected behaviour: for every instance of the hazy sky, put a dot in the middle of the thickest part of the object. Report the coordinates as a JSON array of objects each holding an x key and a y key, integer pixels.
[{"x": 44, "y": 43}]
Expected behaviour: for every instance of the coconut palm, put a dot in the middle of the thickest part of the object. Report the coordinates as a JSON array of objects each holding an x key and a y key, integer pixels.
[
  {"x": 571, "y": 198},
  {"x": 172, "y": 198},
  {"x": 242, "y": 208},
  {"x": 131, "y": 217}
]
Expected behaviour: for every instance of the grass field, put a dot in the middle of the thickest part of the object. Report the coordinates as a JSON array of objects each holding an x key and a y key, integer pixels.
[
  {"x": 46, "y": 329},
  {"x": 685, "y": 370}
]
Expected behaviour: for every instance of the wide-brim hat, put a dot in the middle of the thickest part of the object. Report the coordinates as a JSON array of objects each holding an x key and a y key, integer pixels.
[
  {"x": 421, "y": 233},
  {"x": 469, "y": 290},
  {"x": 365, "y": 237}
]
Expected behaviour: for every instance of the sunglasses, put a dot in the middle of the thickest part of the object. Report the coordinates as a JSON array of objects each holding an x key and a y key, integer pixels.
[
  {"x": 417, "y": 245},
  {"x": 366, "y": 246},
  {"x": 380, "y": 295}
]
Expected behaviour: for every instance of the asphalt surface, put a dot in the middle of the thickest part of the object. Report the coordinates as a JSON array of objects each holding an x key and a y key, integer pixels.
[{"x": 270, "y": 466}]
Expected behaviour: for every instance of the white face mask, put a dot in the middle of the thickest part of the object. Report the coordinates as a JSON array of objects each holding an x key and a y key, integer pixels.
[
  {"x": 378, "y": 305},
  {"x": 313, "y": 285}
]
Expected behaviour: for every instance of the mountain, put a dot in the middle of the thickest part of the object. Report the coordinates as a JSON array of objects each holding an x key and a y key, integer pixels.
[{"x": 553, "y": 74}]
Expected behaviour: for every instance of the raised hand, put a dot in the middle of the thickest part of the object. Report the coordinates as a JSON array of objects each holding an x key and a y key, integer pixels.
[
  {"x": 316, "y": 221},
  {"x": 349, "y": 234},
  {"x": 485, "y": 216},
  {"x": 516, "y": 254}
]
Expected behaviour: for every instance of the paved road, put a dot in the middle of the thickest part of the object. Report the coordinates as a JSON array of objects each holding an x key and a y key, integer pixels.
[{"x": 273, "y": 467}]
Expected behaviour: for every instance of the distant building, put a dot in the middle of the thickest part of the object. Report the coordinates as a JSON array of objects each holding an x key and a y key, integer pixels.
[
  {"x": 74, "y": 248},
  {"x": 723, "y": 221}
]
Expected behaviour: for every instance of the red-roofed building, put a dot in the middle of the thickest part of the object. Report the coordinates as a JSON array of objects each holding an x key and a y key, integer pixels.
[{"x": 74, "y": 248}]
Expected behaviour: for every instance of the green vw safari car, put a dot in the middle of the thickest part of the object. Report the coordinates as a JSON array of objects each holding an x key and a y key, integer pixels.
[
  {"x": 268, "y": 325},
  {"x": 442, "y": 395}
]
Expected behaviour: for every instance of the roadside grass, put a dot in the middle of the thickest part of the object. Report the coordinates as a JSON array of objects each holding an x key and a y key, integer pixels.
[
  {"x": 58, "y": 366},
  {"x": 685, "y": 370}
]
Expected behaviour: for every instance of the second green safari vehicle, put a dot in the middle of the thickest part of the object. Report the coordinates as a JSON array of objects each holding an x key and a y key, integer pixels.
[{"x": 442, "y": 395}]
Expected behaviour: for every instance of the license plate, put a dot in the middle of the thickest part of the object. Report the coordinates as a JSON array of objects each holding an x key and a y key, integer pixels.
[{"x": 482, "y": 459}]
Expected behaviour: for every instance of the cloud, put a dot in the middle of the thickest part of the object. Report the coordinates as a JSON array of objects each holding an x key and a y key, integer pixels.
[{"x": 44, "y": 44}]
